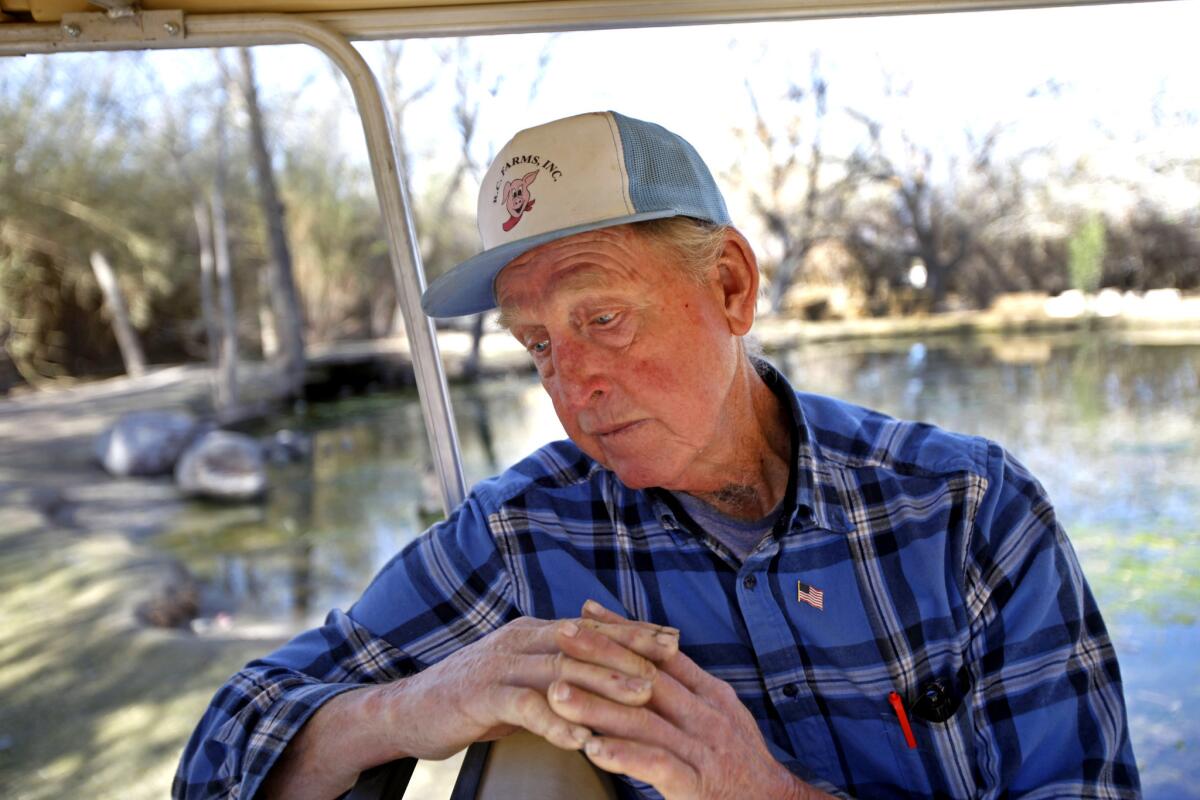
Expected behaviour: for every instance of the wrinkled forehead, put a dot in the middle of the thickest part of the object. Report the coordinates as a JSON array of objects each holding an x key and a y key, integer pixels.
[
  {"x": 610, "y": 257},
  {"x": 524, "y": 292}
]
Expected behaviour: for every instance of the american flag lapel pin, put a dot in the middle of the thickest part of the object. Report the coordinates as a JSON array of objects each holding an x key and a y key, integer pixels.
[{"x": 811, "y": 595}]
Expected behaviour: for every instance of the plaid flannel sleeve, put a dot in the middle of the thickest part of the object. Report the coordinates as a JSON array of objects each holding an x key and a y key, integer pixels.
[
  {"x": 1049, "y": 712},
  {"x": 443, "y": 591}
]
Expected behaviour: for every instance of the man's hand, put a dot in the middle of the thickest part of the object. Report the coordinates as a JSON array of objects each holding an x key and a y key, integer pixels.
[
  {"x": 484, "y": 691},
  {"x": 694, "y": 739},
  {"x": 498, "y": 684}
]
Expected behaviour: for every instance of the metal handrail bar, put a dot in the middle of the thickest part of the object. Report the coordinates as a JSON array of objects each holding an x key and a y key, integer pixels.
[{"x": 387, "y": 780}]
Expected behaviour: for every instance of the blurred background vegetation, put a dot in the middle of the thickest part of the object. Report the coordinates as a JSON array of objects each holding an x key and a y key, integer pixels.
[{"x": 857, "y": 210}]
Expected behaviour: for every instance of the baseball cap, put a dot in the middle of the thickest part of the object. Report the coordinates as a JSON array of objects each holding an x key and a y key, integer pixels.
[{"x": 568, "y": 176}]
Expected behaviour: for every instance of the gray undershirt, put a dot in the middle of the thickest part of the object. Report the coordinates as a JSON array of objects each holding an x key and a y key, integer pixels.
[{"x": 739, "y": 535}]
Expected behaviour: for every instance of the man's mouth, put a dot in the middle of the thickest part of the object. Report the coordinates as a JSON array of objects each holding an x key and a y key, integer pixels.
[{"x": 616, "y": 430}]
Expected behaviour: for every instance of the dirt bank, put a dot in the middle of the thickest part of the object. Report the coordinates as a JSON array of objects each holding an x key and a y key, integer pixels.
[{"x": 92, "y": 704}]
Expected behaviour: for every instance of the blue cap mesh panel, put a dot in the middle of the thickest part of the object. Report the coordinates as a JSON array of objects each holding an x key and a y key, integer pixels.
[{"x": 666, "y": 173}]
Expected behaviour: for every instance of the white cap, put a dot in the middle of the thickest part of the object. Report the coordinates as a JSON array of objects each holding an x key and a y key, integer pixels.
[{"x": 569, "y": 176}]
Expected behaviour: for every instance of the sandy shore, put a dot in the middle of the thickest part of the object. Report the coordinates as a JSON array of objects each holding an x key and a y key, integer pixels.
[{"x": 92, "y": 704}]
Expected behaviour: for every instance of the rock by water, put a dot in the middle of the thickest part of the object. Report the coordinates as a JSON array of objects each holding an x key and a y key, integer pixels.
[
  {"x": 222, "y": 466},
  {"x": 145, "y": 442}
]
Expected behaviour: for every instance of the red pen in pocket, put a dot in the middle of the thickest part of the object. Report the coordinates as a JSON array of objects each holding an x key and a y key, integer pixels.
[{"x": 898, "y": 707}]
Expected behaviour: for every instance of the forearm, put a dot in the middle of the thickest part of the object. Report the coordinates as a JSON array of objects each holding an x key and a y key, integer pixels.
[
  {"x": 347, "y": 735},
  {"x": 255, "y": 716}
]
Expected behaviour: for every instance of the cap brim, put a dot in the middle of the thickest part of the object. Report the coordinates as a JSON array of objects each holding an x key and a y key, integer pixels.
[{"x": 467, "y": 289}]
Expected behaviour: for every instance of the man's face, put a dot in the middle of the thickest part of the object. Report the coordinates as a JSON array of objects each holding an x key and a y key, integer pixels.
[{"x": 636, "y": 356}]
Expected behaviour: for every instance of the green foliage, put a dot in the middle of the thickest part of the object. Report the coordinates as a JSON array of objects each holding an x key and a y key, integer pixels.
[
  {"x": 1086, "y": 250},
  {"x": 76, "y": 179},
  {"x": 1152, "y": 572},
  {"x": 338, "y": 248},
  {"x": 101, "y": 154}
]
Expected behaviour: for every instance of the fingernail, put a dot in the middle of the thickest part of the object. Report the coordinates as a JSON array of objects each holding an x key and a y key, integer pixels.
[
  {"x": 569, "y": 629},
  {"x": 561, "y": 692},
  {"x": 592, "y": 747},
  {"x": 669, "y": 629},
  {"x": 636, "y": 684},
  {"x": 666, "y": 639},
  {"x": 580, "y": 734},
  {"x": 593, "y": 607}
]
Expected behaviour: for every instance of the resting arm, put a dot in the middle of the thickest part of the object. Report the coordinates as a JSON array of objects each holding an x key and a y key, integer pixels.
[
  {"x": 341, "y": 698},
  {"x": 259, "y": 711},
  {"x": 345, "y": 737},
  {"x": 484, "y": 691},
  {"x": 1046, "y": 695}
]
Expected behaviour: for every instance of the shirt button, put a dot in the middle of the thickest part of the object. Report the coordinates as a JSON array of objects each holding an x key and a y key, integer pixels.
[
  {"x": 749, "y": 581},
  {"x": 791, "y": 689}
]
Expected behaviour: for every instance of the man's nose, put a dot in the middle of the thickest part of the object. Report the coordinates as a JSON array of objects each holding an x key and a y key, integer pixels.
[{"x": 581, "y": 370}]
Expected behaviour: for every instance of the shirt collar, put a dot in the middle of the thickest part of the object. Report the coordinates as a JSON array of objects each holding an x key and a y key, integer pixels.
[
  {"x": 813, "y": 498},
  {"x": 814, "y": 495}
]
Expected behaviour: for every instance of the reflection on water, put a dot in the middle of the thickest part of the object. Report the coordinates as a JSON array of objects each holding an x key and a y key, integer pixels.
[
  {"x": 331, "y": 522},
  {"x": 1111, "y": 428}
]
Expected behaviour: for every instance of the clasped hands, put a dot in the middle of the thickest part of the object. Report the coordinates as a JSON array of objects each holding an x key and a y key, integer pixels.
[{"x": 619, "y": 690}]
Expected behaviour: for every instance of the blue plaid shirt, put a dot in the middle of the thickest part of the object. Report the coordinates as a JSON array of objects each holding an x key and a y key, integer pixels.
[{"x": 938, "y": 564}]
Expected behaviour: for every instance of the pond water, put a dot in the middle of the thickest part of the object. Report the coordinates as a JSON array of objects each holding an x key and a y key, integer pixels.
[{"x": 1110, "y": 424}]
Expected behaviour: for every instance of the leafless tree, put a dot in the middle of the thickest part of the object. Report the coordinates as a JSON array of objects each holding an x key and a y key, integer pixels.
[
  {"x": 400, "y": 96},
  {"x": 285, "y": 304},
  {"x": 216, "y": 280},
  {"x": 801, "y": 197},
  {"x": 941, "y": 219},
  {"x": 227, "y": 356},
  {"x": 440, "y": 230}
]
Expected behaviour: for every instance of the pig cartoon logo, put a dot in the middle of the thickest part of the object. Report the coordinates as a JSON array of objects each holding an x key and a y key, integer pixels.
[{"x": 517, "y": 199}]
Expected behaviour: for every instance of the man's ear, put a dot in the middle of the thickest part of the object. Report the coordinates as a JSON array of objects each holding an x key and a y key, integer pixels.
[{"x": 737, "y": 270}]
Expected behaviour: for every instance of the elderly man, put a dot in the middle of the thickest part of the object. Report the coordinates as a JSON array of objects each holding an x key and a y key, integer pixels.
[{"x": 719, "y": 587}]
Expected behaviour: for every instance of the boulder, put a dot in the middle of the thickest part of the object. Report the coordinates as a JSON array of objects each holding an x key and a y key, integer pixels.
[
  {"x": 222, "y": 466},
  {"x": 145, "y": 442}
]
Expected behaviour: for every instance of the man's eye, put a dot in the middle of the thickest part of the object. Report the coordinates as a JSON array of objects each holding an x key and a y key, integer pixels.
[
  {"x": 537, "y": 348},
  {"x": 604, "y": 319}
]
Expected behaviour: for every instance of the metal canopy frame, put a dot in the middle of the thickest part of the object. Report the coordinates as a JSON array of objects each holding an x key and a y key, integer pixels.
[{"x": 411, "y": 18}]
